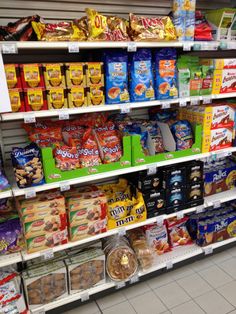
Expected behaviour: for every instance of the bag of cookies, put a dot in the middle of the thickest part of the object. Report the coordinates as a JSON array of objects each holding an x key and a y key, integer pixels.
[
  {"x": 157, "y": 237},
  {"x": 178, "y": 232},
  {"x": 27, "y": 166}
]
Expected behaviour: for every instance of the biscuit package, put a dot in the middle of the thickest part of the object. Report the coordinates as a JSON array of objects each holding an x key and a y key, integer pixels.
[
  {"x": 54, "y": 75},
  {"x": 31, "y": 75},
  {"x": 178, "y": 232},
  {"x": 86, "y": 270},
  {"x": 94, "y": 73},
  {"x": 35, "y": 99},
  {"x": 12, "y": 72},
  {"x": 57, "y": 98},
  {"x": 77, "y": 97},
  {"x": 17, "y": 100},
  {"x": 75, "y": 74},
  {"x": 157, "y": 237}
]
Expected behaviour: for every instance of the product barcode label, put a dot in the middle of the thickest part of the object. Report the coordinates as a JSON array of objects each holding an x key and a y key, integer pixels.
[
  {"x": 29, "y": 118},
  {"x": 183, "y": 103},
  {"x": 48, "y": 254},
  {"x": 125, "y": 108},
  {"x": 121, "y": 231},
  {"x": 9, "y": 49},
  {"x": 206, "y": 100},
  {"x": 63, "y": 115},
  {"x": 132, "y": 47},
  {"x": 160, "y": 219},
  {"x": 169, "y": 265},
  {"x": 165, "y": 105},
  {"x": 84, "y": 296},
  {"x": 30, "y": 193},
  {"x": 187, "y": 46},
  {"x": 73, "y": 47},
  {"x": 179, "y": 215},
  {"x": 208, "y": 250},
  {"x": 134, "y": 279},
  {"x": 120, "y": 284},
  {"x": 152, "y": 169},
  {"x": 216, "y": 204},
  {"x": 199, "y": 209},
  {"x": 195, "y": 102},
  {"x": 64, "y": 187}
]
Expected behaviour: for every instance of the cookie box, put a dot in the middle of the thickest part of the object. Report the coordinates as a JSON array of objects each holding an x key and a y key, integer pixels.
[
  {"x": 75, "y": 74},
  {"x": 77, "y": 97},
  {"x": 54, "y": 75},
  {"x": 17, "y": 100},
  {"x": 139, "y": 158},
  {"x": 174, "y": 177},
  {"x": 57, "y": 98},
  {"x": 85, "y": 200},
  {"x": 31, "y": 75},
  {"x": 224, "y": 81},
  {"x": 219, "y": 139},
  {"x": 96, "y": 95},
  {"x": 86, "y": 228},
  {"x": 53, "y": 174},
  {"x": 194, "y": 171},
  {"x": 45, "y": 284},
  {"x": 12, "y": 72},
  {"x": 155, "y": 201},
  {"x": 175, "y": 199},
  {"x": 94, "y": 73},
  {"x": 145, "y": 182},
  {"x": 35, "y": 99},
  {"x": 86, "y": 270},
  {"x": 194, "y": 194}
]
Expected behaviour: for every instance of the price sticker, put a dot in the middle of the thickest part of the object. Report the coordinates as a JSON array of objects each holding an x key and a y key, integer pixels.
[
  {"x": 187, "y": 46},
  {"x": 206, "y": 100},
  {"x": 73, "y": 47},
  {"x": 120, "y": 284},
  {"x": 169, "y": 265},
  {"x": 183, "y": 103},
  {"x": 197, "y": 47},
  {"x": 64, "y": 187},
  {"x": 152, "y": 169},
  {"x": 84, "y": 296},
  {"x": 48, "y": 254},
  {"x": 199, "y": 209},
  {"x": 180, "y": 215},
  {"x": 134, "y": 279},
  {"x": 195, "y": 101},
  {"x": 29, "y": 118},
  {"x": 30, "y": 193},
  {"x": 160, "y": 219},
  {"x": 121, "y": 232},
  {"x": 216, "y": 204},
  {"x": 125, "y": 108},
  {"x": 132, "y": 47},
  {"x": 165, "y": 105},
  {"x": 223, "y": 45},
  {"x": 208, "y": 250},
  {"x": 63, "y": 115},
  {"x": 9, "y": 49}
]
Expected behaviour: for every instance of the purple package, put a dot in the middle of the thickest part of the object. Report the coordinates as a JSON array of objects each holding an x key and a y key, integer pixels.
[
  {"x": 4, "y": 185},
  {"x": 10, "y": 236}
]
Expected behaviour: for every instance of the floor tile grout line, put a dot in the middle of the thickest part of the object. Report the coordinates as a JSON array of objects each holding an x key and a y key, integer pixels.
[
  {"x": 132, "y": 306},
  {"x": 223, "y": 295},
  {"x": 100, "y": 310}
]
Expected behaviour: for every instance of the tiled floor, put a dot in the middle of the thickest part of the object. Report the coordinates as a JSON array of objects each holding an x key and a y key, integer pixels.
[{"x": 207, "y": 286}]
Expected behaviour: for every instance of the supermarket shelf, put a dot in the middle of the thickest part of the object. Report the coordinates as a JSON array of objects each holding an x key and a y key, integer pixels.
[
  {"x": 93, "y": 177},
  {"x": 76, "y": 46},
  {"x": 9, "y": 259},
  {"x": 5, "y": 194},
  {"x": 220, "y": 197},
  {"x": 122, "y": 107}
]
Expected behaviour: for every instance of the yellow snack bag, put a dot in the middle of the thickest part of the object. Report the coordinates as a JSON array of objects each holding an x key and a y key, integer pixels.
[{"x": 117, "y": 210}]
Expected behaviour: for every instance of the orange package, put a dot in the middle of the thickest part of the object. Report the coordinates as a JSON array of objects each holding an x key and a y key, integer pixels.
[
  {"x": 67, "y": 158},
  {"x": 178, "y": 232}
]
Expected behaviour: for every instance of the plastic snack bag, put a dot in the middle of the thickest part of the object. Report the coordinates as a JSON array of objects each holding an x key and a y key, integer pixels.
[
  {"x": 178, "y": 232},
  {"x": 182, "y": 132},
  {"x": 89, "y": 152},
  {"x": 157, "y": 237},
  {"x": 67, "y": 158}
]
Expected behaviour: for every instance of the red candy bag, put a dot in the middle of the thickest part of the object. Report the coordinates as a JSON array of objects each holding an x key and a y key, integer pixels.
[
  {"x": 92, "y": 120},
  {"x": 89, "y": 153},
  {"x": 72, "y": 135},
  {"x": 67, "y": 158}
]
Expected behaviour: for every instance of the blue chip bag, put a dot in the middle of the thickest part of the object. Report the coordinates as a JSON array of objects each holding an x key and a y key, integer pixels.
[
  {"x": 141, "y": 76},
  {"x": 163, "y": 115},
  {"x": 116, "y": 75},
  {"x": 27, "y": 166},
  {"x": 165, "y": 73},
  {"x": 183, "y": 135}
]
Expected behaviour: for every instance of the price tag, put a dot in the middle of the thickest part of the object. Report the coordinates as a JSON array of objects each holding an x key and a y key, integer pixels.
[
  {"x": 73, "y": 47},
  {"x": 223, "y": 45},
  {"x": 29, "y": 118},
  {"x": 195, "y": 102},
  {"x": 63, "y": 115},
  {"x": 216, "y": 204},
  {"x": 197, "y": 47},
  {"x": 122, "y": 231},
  {"x": 30, "y": 193},
  {"x": 208, "y": 250},
  {"x": 183, "y": 103},
  {"x": 206, "y": 100},
  {"x": 199, "y": 209},
  {"x": 9, "y": 49},
  {"x": 125, "y": 108},
  {"x": 120, "y": 284},
  {"x": 134, "y": 279},
  {"x": 132, "y": 47},
  {"x": 84, "y": 296},
  {"x": 179, "y": 215},
  {"x": 165, "y": 105},
  {"x": 152, "y": 169},
  {"x": 160, "y": 219},
  {"x": 187, "y": 46},
  {"x": 64, "y": 187},
  {"x": 48, "y": 254},
  {"x": 169, "y": 265}
]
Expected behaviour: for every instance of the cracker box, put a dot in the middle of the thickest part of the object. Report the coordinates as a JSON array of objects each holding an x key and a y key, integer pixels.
[
  {"x": 77, "y": 97},
  {"x": 75, "y": 74},
  {"x": 31, "y": 75},
  {"x": 94, "y": 73},
  {"x": 86, "y": 228},
  {"x": 92, "y": 213},
  {"x": 86, "y": 270},
  {"x": 17, "y": 100},
  {"x": 96, "y": 95},
  {"x": 54, "y": 75},
  {"x": 12, "y": 72},
  {"x": 35, "y": 99},
  {"x": 45, "y": 284},
  {"x": 57, "y": 98}
]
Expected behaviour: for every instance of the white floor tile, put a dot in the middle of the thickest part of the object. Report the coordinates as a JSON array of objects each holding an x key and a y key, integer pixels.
[
  {"x": 111, "y": 299},
  {"x": 182, "y": 272},
  {"x": 89, "y": 308},
  {"x": 160, "y": 280},
  {"x": 201, "y": 265},
  {"x": 187, "y": 308},
  {"x": 229, "y": 267},
  {"x": 215, "y": 276},
  {"x": 234, "y": 312},
  {"x": 194, "y": 285},
  {"x": 148, "y": 303},
  {"x": 229, "y": 292},
  {"x": 220, "y": 257},
  {"x": 121, "y": 308},
  {"x": 136, "y": 290},
  {"x": 172, "y": 295},
  {"x": 232, "y": 251},
  {"x": 213, "y": 303}
]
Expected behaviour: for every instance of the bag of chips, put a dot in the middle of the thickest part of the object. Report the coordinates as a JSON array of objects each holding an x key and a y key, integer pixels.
[{"x": 183, "y": 135}]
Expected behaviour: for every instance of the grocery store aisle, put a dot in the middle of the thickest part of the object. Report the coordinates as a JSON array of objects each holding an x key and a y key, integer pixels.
[{"x": 206, "y": 286}]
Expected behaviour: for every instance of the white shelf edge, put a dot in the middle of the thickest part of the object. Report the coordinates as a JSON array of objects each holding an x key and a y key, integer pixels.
[
  {"x": 9, "y": 259},
  {"x": 11, "y": 116},
  {"x": 6, "y": 194}
]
